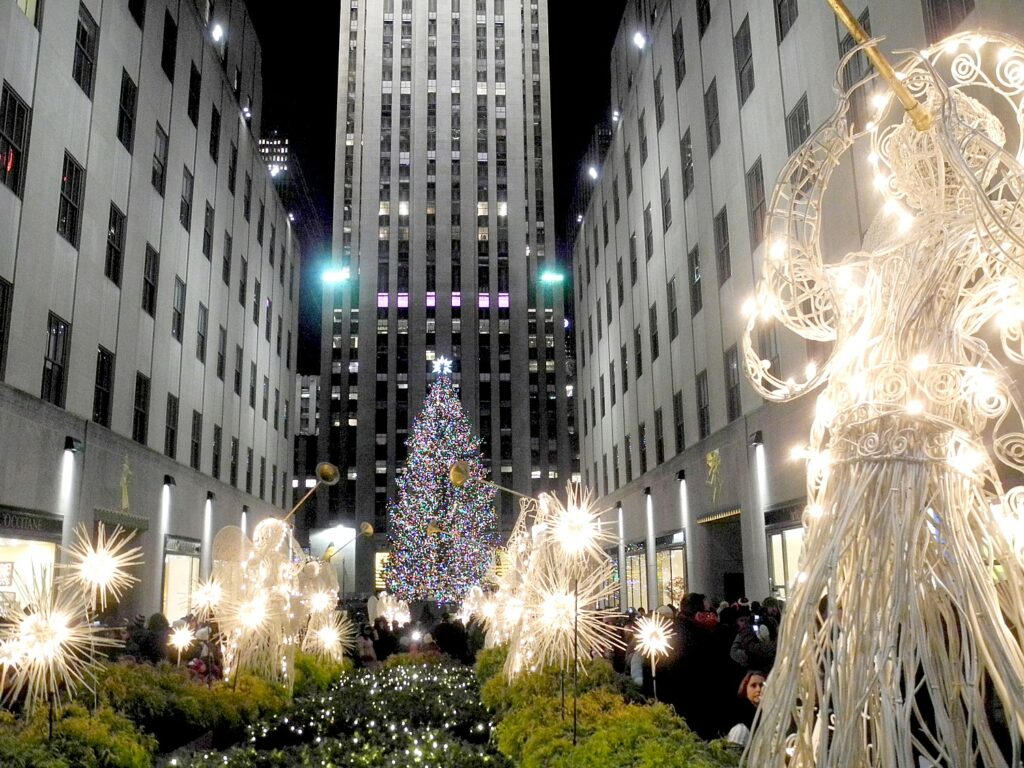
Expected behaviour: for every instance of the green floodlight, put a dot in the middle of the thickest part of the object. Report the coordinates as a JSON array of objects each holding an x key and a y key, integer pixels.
[
  {"x": 336, "y": 275},
  {"x": 552, "y": 277}
]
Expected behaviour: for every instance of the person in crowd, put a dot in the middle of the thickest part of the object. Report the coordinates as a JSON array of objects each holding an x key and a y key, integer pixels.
[
  {"x": 708, "y": 616},
  {"x": 364, "y": 647},
  {"x": 385, "y": 641},
  {"x": 451, "y": 638},
  {"x": 693, "y": 674},
  {"x": 753, "y": 647},
  {"x": 748, "y": 698}
]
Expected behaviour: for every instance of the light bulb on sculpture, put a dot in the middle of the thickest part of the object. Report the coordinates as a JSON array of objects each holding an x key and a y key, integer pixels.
[
  {"x": 181, "y": 638},
  {"x": 102, "y": 568},
  {"x": 653, "y": 633}
]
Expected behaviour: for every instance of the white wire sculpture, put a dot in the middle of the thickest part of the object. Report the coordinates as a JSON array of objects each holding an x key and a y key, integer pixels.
[{"x": 924, "y": 589}]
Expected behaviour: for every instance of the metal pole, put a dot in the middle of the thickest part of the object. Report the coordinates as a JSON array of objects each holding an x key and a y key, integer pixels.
[{"x": 575, "y": 653}]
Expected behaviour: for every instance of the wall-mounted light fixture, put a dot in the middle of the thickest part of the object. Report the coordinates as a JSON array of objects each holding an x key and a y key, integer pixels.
[
  {"x": 169, "y": 480},
  {"x": 756, "y": 439},
  {"x": 72, "y": 444}
]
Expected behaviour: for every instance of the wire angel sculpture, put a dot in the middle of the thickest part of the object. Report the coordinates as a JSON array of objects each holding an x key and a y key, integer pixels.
[{"x": 906, "y": 617}]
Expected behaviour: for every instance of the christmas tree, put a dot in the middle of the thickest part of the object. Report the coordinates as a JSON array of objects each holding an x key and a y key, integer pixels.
[{"x": 441, "y": 536}]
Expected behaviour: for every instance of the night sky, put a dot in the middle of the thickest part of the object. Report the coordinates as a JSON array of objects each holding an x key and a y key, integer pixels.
[{"x": 300, "y": 82}]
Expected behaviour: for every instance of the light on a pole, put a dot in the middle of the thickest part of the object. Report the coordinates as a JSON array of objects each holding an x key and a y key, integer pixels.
[
  {"x": 592, "y": 172},
  {"x": 217, "y": 33},
  {"x": 551, "y": 277},
  {"x": 336, "y": 276},
  {"x": 639, "y": 40}
]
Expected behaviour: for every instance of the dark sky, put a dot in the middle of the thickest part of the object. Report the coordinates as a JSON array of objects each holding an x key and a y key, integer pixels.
[{"x": 300, "y": 80}]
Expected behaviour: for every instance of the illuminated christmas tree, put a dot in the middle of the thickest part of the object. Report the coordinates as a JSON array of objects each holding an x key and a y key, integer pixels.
[{"x": 441, "y": 536}]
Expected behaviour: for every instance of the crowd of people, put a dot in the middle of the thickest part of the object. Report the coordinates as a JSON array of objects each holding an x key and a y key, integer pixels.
[{"x": 718, "y": 661}]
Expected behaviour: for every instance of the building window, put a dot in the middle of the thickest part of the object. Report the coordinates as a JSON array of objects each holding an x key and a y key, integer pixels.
[
  {"x": 600, "y": 386},
  {"x": 744, "y": 55},
  {"x": 768, "y": 347},
  {"x": 248, "y": 470},
  {"x": 798, "y": 125},
  {"x": 140, "y": 409},
  {"x": 222, "y": 351},
  {"x": 15, "y": 120},
  {"x": 629, "y": 171},
  {"x": 678, "y": 53},
  {"x": 238, "y": 370},
  {"x": 171, "y": 427},
  {"x": 620, "y": 285},
  {"x": 259, "y": 223},
  {"x": 137, "y": 8},
  {"x": 252, "y": 386},
  {"x": 722, "y": 258},
  {"x": 215, "y": 134},
  {"x": 611, "y": 381},
  {"x": 55, "y": 360},
  {"x": 115, "y": 245},
  {"x": 673, "y": 311},
  {"x": 659, "y": 101},
  {"x": 256, "y": 302},
  {"x": 693, "y": 270},
  {"x": 856, "y": 69},
  {"x": 247, "y": 197},
  {"x": 185, "y": 210},
  {"x": 677, "y": 414},
  {"x": 126, "y": 111},
  {"x": 72, "y": 186},
  {"x": 642, "y": 446},
  {"x": 232, "y": 167},
  {"x": 195, "y": 92},
  {"x": 195, "y": 453},
  {"x": 6, "y": 299},
  {"x": 104, "y": 387},
  {"x": 215, "y": 452},
  {"x": 263, "y": 476},
  {"x": 170, "y": 46},
  {"x": 686, "y": 158},
  {"x": 703, "y": 16},
  {"x": 785, "y": 17},
  {"x": 178, "y": 309},
  {"x": 659, "y": 438},
  {"x": 942, "y": 17},
  {"x": 703, "y": 405},
  {"x": 628, "y": 454},
  {"x": 233, "y": 471},
  {"x": 243, "y": 278},
  {"x": 756, "y": 203},
  {"x": 150, "y": 275},
  {"x": 616, "y": 209},
  {"x": 160, "y": 160},
  {"x": 225, "y": 267},
  {"x": 733, "y": 405},
  {"x": 648, "y": 234},
  {"x": 86, "y": 39},
  {"x": 641, "y": 127},
  {"x": 711, "y": 118},
  {"x": 201, "y": 332},
  {"x": 624, "y": 358},
  {"x": 652, "y": 318},
  {"x": 638, "y": 351},
  {"x": 666, "y": 202},
  {"x": 208, "y": 231}
]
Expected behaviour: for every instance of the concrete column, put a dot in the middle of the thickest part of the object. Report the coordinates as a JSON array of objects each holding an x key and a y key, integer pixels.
[
  {"x": 206, "y": 551},
  {"x": 156, "y": 547}
]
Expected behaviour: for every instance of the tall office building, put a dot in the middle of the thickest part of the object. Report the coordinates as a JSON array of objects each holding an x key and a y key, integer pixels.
[
  {"x": 443, "y": 213},
  {"x": 708, "y": 100},
  {"x": 148, "y": 284}
]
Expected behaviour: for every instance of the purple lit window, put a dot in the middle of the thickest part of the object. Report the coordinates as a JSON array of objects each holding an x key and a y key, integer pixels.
[
  {"x": 403, "y": 300},
  {"x": 382, "y": 299},
  {"x": 503, "y": 300},
  {"x": 484, "y": 300},
  {"x": 457, "y": 299},
  {"x": 431, "y": 299}
]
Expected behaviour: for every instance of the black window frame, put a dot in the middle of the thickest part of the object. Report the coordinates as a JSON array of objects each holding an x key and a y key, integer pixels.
[
  {"x": 673, "y": 309},
  {"x": 150, "y": 280},
  {"x": 72, "y": 196},
  {"x": 686, "y": 161},
  {"x": 140, "y": 409},
  {"x": 743, "y": 55},
  {"x": 126, "y": 109},
  {"x": 188, "y": 188},
  {"x": 15, "y": 130},
  {"x": 666, "y": 200},
  {"x": 723, "y": 255},
  {"x": 693, "y": 280},
  {"x": 113, "y": 259},
  {"x": 202, "y": 332},
  {"x": 178, "y": 309},
  {"x": 678, "y": 53},
  {"x": 798, "y": 125},
  {"x": 6, "y": 305},
  {"x": 53, "y": 388},
  {"x": 171, "y": 427},
  {"x": 103, "y": 388},
  {"x": 222, "y": 351},
  {"x": 757, "y": 204},
  {"x": 169, "y": 47},
  {"x": 712, "y": 117},
  {"x": 195, "y": 453},
  {"x": 87, "y": 37},
  {"x": 733, "y": 397},
  {"x": 159, "y": 174},
  {"x": 703, "y": 405},
  {"x": 703, "y": 17},
  {"x": 215, "y": 124},
  {"x": 786, "y": 13}
]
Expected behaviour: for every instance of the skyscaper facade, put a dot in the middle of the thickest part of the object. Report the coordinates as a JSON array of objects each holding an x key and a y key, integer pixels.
[{"x": 443, "y": 214}]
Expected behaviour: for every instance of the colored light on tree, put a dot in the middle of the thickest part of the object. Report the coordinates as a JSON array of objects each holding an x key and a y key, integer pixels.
[{"x": 441, "y": 536}]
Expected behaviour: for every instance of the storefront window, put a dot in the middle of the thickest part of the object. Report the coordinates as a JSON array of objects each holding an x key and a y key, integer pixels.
[
  {"x": 636, "y": 578},
  {"x": 20, "y": 559},
  {"x": 614, "y": 599},
  {"x": 380, "y": 559},
  {"x": 671, "y": 575},
  {"x": 181, "y": 576},
  {"x": 784, "y": 549}
]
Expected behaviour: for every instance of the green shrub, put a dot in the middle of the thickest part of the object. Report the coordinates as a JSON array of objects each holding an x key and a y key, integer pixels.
[
  {"x": 420, "y": 659},
  {"x": 490, "y": 662},
  {"x": 81, "y": 739},
  {"x": 314, "y": 675},
  {"x": 501, "y": 695}
]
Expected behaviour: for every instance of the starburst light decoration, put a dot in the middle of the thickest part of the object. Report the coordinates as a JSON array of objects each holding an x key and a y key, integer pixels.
[
  {"x": 330, "y": 636},
  {"x": 50, "y": 648},
  {"x": 101, "y": 569},
  {"x": 925, "y": 592},
  {"x": 394, "y": 610},
  {"x": 181, "y": 638}
]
